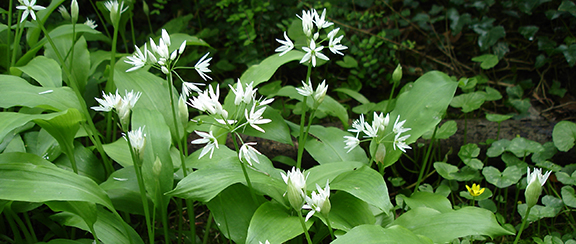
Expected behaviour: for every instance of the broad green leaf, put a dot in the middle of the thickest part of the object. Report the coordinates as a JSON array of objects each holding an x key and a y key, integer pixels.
[
  {"x": 80, "y": 65},
  {"x": 66, "y": 241},
  {"x": 44, "y": 70},
  {"x": 487, "y": 61},
  {"x": 42, "y": 144},
  {"x": 522, "y": 147},
  {"x": 498, "y": 117},
  {"x": 513, "y": 161},
  {"x": 354, "y": 94},
  {"x": 563, "y": 135},
  {"x": 119, "y": 152},
  {"x": 565, "y": 178},
  {"x": 263, "y": 72},
  {"x": 277, "y": 130},
  {"x": 510, "y": 176},
  {"x": 157, "y": 148},
  {"x": 63, "y": 128},
  {"x": 551, "y": 208},
  {"x": 366, "y": 184},
  {"x": 12, "y": 121},
  {"x": 568, "y": 6},
  {"x": 462, "y": 222},
  {"x": 13, "y": 89},
  {"x": 320, "y": 173},
  {"x": 445, "y": 131},
  {"x": 27, "y": 177},
  {"x": 88, "y": 164},
  {"x": 204, "y": 184},
  {"x": 468, "y": 154},
  {"x": 274, "y": 223},
  {"x": 232, "y": 210},
  {"x": 497, "y": 148},
  {"x": 178, "y": 38},
  {"x": 348, "y": 212},
  {"x": 155, "y": 94},
  {"x": 549, "y": 150},
  {"x": 16, "y": 145},
  {"x": 428, "y": 200},
  {"x": 451, "y": 172},
  {"x": 569, "y": 53},
  {"x": 110, "y": 228},
  {"x": 422, "y": 108},
  {"x": 375, "y": 234},
  {"x": 327, "y": 146},
  {"x": 122, "y": 188},
  {"x": 192, "y": 161},
  {"x": 528, "y": 31},
  {"x": 468, "y": 101},
  {"x": 492, "y": 94},
  {"x": 85, "y": 210},
  {"x": 334, "y": 108},
  {"x": 568, "y": 196},
  {"x": 347, "y": 62}
]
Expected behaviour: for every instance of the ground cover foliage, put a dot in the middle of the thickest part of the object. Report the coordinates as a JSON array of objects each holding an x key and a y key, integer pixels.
[{"x": 143, "y": 122}]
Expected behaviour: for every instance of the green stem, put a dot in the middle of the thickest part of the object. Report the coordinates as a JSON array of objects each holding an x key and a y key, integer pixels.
[
  {"x": 301, "y": 137},
  {"x": 303, "y": 223},
  {"x": 421, "y": 174},
  {"x": 100, "y": 18},
  {"x": 330, "y": 228},
  {"x": 248, "y": 182},
  {"x": 390, "y": 98},
  {"x": 137, "y": 168},
  {"x": 179, "y": 140},
  {"x": 207, "y": 229},
  {"x": 9, "y": 31},
  {"x": 30, "y": 227},
  {"x": 15, "y": 231},
  {"x": 110, "y": 83},
  {"x": 22, "y": 227},
  {"x": 523, "y": 225},
  {"x": 19, "y": 30}
]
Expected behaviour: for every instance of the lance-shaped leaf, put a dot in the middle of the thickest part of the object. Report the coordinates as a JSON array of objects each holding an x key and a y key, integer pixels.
[
  {"x": 328, "y": 146},
  {"x": 44, "y": 70},
  {"x": 274, "y": 223},
  {"x": 422, "y": 108},
  {"x": 348, "y": 212},
  {"x": 16, "y": 91},
  {"x": 365, "y": 184},
  {"x": 263, "y": 72},
  {"x": 12, "y": 121},
  {"x": 63, "y": 128},
  {"x": 466, "y": 221},
  {"x": 85, "y": 210},
  {"x": 27, "y": 177},
  {"x": 378, "y": 234}
]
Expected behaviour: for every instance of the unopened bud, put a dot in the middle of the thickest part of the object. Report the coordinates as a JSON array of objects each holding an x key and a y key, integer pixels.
[
  {"x": 64, "y": 12},
  {"x": 183, "y": 111},
  {"x": 157, "y": 166},
  {"x": 74, "y": 11},
  {"x": 380, "y": 153},
  {"x": 532, "y": 193},
  {"x": 145, "y": 8},
  {"x": 295, "y": 196},
  {"x": 397, "y": 74}
]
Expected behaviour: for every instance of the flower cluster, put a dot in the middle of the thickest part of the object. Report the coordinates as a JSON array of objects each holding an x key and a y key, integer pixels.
[
  {"x": 245, "y": 101},
  {"x": 296, "y": 190},
  {"x": 160, "y": 57},
  {"x": 122, "y": 105},
  {"x": 310, "y": 20},
  {"x": 137, "y": 139},
  {"x": 317, "y": 95},
  {"x": 375, "y": 131}
]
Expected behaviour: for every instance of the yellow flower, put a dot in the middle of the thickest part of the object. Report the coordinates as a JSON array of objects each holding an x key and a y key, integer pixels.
[{"x": 475, "y": 190}]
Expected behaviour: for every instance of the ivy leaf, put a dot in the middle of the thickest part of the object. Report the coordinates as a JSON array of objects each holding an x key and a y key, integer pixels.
[
  {"x": 487, "y": 61},
  {"x": 490, "y": 38}
]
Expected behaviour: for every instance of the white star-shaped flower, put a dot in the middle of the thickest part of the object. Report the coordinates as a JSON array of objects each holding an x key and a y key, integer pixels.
[
  {"x": 400, "y": 143},
  {"x": 202, "y": 67},
  {"x": 320, "y": 20},
  {"x": 210, "y": 141},
  {"x": 248, "y": 153},
  {"x": 255, "y": 118},
  {"x": 312, "y": 52},
  {"x": 351, "y": 142},
  {"x": 306, "y": 90},
  {"x": 287, "y": 45},
  {"x": 29, "y": 7},
  {"x": 138, "y": 60}
]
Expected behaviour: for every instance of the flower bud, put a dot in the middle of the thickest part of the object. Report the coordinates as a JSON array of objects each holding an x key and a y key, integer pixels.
[
  {"x": 397, "y": 74},
  {"x": 64, "y": 12},
  {"x": 380, "y": 153},
  {"x": 183, "y": 111},
  {"x": 145, "y": 8},
  {"x": 74, "y": 11},
  {"x": 157, "y": 167},
  {"x": 296, "y": 187},
  {"x": 535, "y": 182},
  {"x": 295, "y": 196}
]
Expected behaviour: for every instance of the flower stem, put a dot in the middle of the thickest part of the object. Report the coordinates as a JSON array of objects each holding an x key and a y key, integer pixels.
[
  {"x": 138, "y": 170},
  {"x": 330, "y": 228},
  {"x": 421, "y": 174},
  {"x": 303, "y": 223},
  {"x": 302, "y": 137},
  {"x": 523, "y": 225},
  {"x": 248, "y": 182}
]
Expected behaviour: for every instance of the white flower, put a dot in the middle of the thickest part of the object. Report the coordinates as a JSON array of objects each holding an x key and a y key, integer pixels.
[
  {"x": 91, "y": 23},
  {"x": 202, "y": 67},
  {"x": 312, "y": 52},
  {"x": 307, "y": 22},
  {"x": 287, "y": 45},
  {"x": 182, "y": 47},
  {"x": 351, "y": 143},
  {"x": 64, "y": 12},
  {"x": 249, "y": 153},
  {"x": 320, "y": 92},
  {"x": 335, "y": 46},
  {"x": 398, "y": 126},
  {"x": 537, "y": 175},
  {"x": 210, "y": 141},
  {"x": 400, "y": 143},
  {"x": 255, "y": 118},
  {"x": 208, "y": 101},
  {"x": 370, "y": 131},
  {"x": 306, "y": 90},
  {"x": 319, "y": 202},
  {"x": 263, "y": 101},
  {"x": 138, "y": 60},
  {"x": 29, "y": 7},
  {"x": 243, "y": 95},
  {"x": 137, "y": 140},
  {"x": 296, "y": 187},
  {"x": 126, "y": 104},
  {"x": 380, "y": 121},
  {"x": 188, "y": 87},
  {"x": 109, "y": 102},
  {"x": 116, "y": 9},
  {"x": 358, "y": 125},
  {"x": 320, "y": 20},
  {"x": 166, "y": 37}
]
